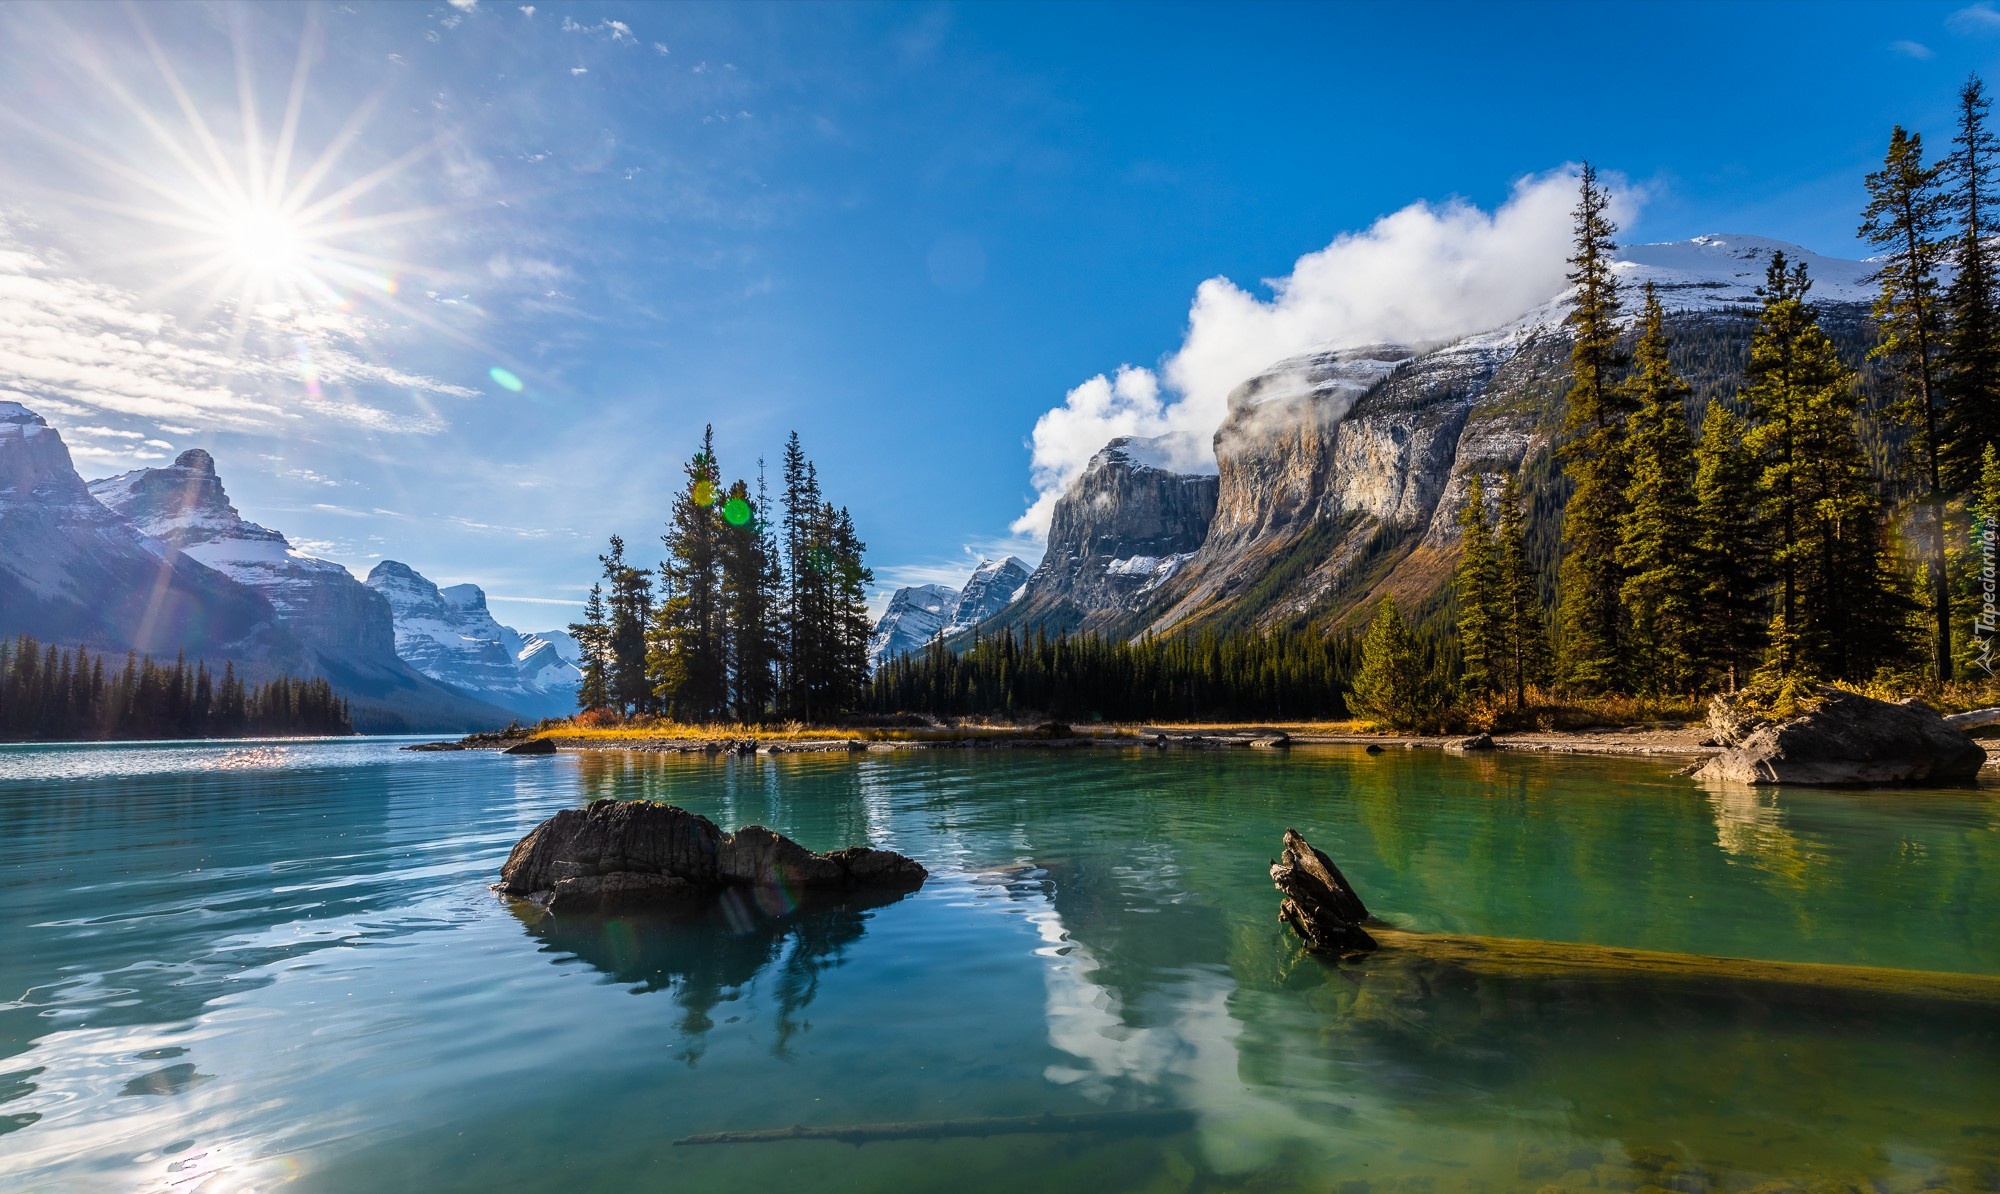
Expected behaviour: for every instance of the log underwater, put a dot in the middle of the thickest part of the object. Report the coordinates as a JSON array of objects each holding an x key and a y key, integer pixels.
[
  {"x": 1323, "y": 910},
  {"x": 1136, "y": 1123}
]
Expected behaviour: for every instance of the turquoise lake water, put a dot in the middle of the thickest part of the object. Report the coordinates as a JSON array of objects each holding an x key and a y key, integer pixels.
[{"x": 252, "y": 965}]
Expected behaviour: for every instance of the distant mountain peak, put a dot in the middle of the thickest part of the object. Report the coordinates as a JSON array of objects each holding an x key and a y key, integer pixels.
[{"x": 196, "y": 460}]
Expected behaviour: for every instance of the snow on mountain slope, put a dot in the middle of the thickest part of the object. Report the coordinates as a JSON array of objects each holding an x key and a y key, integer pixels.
[
  {"x": 914, "y": 617},
  {"x": 185, "y": 506},
  {"x": 73, "y": 571},
  {"x": 449, "y": 635},
  {"x": 993, "y": 585}
]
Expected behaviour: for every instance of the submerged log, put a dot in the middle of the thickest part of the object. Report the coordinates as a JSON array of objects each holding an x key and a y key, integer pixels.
[
  {"x": 1323, "y": 910},
  {"x": 1519, "y": 957},
  {"x": 1319, "y": 903},
  {"x": 1136, "y": 1123}
]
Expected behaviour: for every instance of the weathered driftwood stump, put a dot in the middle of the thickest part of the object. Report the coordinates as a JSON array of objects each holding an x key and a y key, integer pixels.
[{"x": 1319, "y": 903}]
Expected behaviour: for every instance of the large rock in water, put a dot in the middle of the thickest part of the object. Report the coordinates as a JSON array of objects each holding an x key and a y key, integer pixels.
[
  {"x": 1849, "y": 740},
  {"x": 619, "y": 853}
]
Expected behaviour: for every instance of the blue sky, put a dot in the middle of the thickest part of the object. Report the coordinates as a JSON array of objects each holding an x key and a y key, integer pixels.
[{"x": 908, "y": 232}]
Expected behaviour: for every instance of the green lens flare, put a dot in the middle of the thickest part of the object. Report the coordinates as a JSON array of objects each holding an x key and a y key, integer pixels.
[
  {"x": 504, "y": 379},
  {"x": 736, "y": 512}
]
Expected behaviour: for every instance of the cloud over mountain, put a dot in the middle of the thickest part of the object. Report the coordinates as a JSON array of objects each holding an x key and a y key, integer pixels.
[{"x": 1426, "y": 274}]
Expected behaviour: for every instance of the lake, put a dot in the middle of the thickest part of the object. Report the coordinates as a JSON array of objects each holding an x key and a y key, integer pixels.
[{"x": 245, "y": 965}]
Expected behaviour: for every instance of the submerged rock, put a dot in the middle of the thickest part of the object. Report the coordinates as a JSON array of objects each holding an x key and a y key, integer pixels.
[
  {"x": 618, "y": 853},
  {"x": 1847, "y": 740}
]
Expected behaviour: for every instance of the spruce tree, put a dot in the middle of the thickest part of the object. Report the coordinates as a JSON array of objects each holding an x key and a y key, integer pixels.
[
  {"x": 629, "y": 611},
  {"x": 1594, "y": 455},
  {"x": 802, "y": 622},
  {"x": 748, "y": 588},
  {"x": 1905, "y": 217},
  {"x": 1839, "y": 602},
  {"x": 1730, "y": 550},
  {"x": 593, "y": 643},
  {"x": 1657, "y": 548},
  {"x": 688, "y": 649},
  {"x": 1392, "y": 687},
  {"x": 1523, "y": 636},
  {"x": 1972, "y": 300},
  {"x": 1478, "y": 581}
]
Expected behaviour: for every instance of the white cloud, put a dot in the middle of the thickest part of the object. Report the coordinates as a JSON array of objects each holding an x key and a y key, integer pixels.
[
  {"x": 464, "y": 5},
  {"x": 527, "y": 10},
  {"x": 81, "y": 348},
  {"x": 617, "y": 31},
  {"x": 579, "y": 70},
  {"x": 1974, "y": 19},
  {"x": 1912, "y": 49},
  {"x": 660, "y": 47},
  {"x": 1429, "y": 273}
]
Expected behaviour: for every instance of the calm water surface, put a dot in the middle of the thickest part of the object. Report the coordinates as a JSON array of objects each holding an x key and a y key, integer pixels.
[{"x": 235, "y": 967}]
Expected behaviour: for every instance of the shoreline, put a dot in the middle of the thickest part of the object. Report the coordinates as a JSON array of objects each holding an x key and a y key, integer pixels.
[{"x": 1682, "y": 742}]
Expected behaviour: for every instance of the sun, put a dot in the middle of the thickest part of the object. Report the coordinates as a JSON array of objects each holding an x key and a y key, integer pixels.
[{"x": 267, "y": 242}]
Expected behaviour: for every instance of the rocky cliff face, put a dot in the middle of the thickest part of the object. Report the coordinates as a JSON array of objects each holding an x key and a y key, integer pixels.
[
  {"x": 994, "y": 585},
  {"x": 1119, "y": 534},
  {"x": 450, "y": 635},
  {"x": 186, "y": 507},
  {"x": 73, "y": 571},
  {"x": 915, "y": 615},
  {"x": 1341, "y": 473}
]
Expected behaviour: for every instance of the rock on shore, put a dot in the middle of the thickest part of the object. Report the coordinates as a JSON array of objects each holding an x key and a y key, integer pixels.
[
  {"x": 1848, "y": 740},
  {"x": 618, "y": 853}
]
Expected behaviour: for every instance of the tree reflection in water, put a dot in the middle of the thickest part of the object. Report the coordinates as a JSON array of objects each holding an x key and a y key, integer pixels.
[{"x": 705, "y": 952}]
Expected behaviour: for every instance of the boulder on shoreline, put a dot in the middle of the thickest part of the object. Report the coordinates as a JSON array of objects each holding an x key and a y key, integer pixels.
[
  {"x": 617, "y": 853},
  {"x": 1846, "y": 740}
]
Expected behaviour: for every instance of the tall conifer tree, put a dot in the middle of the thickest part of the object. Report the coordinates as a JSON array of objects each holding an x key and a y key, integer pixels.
[
  {"x": 628, "y": 612},
  {"x": 688, "y": 647},
  {"x": 593, "y": 643},
  {"x": 1731, "y": 549},
  {"x": 1657, "y": 549},
  {"x": 1905, "y": 217},
  {"x": 1594, "y": 455},
  {"x": 1523, "y": 636},
  {"x": 1478, "y": 583},
  {"x": 1972, "y": 300},
  {"x": 1840, "y": 612}
]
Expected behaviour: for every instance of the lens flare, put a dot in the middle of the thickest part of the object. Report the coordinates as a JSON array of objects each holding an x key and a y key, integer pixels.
[
  {"x": 504, "y": 379},
  {"x": 736, "y": 512},
  {"x": 704, "y": 492}
]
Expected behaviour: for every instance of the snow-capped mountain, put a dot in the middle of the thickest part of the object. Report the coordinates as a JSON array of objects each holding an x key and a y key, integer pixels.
[
  {"x": 914, "y": 617},
  {"x": 994, "y": 583},
  {"x": 185, "y": 506},
  {"x": 919, "y": 613},
  {"x": 73, "y": 571},
  {"x": 1341, "y": 471},
  {"x": 450, "y": 635}
]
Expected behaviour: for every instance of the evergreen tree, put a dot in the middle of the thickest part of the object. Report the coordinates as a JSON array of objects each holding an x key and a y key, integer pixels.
[
  {"x": 1594, "y": 455},
  {"x": 750, "y": 581},
  {"x": 629, "y": 609},
  {"x": 1906, "y": 216},
  {"x": 1730, "y": 550},
  {"x": 803, "y": 590},
  {"x": 689, "y": 642},
  {"x": 1972, "y": 301},
  {"x": 1523, "y": 636},
  {"x": 1658, "y": 543},
  {"x": 1478, "y": 580},
  {"x": 593, "y": 643},
  {"x": 1392, "y": 687},
  {"x": 1838, "y": 600}
]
